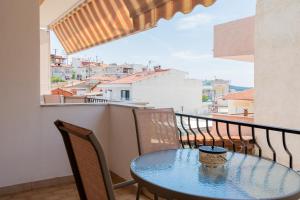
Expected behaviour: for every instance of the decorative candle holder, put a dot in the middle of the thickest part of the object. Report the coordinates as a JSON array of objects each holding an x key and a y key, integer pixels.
[{"x": 212, "y": 156}]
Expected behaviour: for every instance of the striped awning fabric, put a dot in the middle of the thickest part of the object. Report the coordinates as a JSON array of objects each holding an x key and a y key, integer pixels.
[
  {"x": 96, "y": 22},
  {"x": 146, "y": 13}
]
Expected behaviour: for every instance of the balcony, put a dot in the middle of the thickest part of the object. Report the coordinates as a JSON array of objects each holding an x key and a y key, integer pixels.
[
  {"x": 67, "y": 190},
  {"x": 34, "y": 162},
  {"x": 115, "y": 129}
]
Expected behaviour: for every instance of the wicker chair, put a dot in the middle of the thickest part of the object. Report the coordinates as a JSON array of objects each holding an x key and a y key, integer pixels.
[
  {"x": 88, "y": 163},
  {"x": 156, "y": 130}
]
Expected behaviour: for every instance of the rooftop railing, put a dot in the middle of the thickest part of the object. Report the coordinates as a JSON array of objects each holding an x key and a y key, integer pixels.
[
  {"x": 60, "y": 99},
  {"x": 95, "y": 100}
]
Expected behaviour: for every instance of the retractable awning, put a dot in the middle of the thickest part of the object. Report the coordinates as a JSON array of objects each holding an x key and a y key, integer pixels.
[{"x": 96, "y": 22}]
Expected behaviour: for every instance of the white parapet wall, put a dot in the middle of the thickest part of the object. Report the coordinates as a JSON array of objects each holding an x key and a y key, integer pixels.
[
  {"x": 122, "y": 139},
  {"x": 36, "y": 151}
]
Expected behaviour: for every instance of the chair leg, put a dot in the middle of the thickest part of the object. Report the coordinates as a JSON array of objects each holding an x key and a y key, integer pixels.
[
  {"x": 155, "y": 197},
  {"x": 138, "y": 192}
]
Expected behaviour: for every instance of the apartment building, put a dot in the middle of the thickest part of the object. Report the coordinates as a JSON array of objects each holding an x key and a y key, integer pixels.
[
  {"x": 159, "y": 88},
  {"x": 60, "y": 68},
  {"x": 240, "y": 103},
  {"x": 123, "y": 69},
  {"x": 83, "y": 69}
]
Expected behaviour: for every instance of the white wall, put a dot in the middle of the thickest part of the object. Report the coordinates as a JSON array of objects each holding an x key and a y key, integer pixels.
[
  {"x": 30, "y": 147},
  {"x": 51, "y": 160},
  {"x": 45, "y": 76},
  {"x": 76, "y": 62},
  {"x": 172, "y": 90},
  {"x": 122, "y": 140},
  {"x": 19, "y": 84},
  {"x": 238, "y": 106},
  {"x": 277, "y": 61},
  {"x": 116, "y": 89}
]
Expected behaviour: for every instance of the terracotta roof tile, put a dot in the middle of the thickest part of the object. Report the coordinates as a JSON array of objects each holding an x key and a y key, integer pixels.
[
  {"x": 243, "y": 95},
  {"x": 60, "y": 91},
  {"x": 138, "y": 77},
  {"x": 102, "y": 78}
]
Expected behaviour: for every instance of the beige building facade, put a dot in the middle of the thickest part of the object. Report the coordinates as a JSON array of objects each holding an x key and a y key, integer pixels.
[{"x": 276, "y": 57}]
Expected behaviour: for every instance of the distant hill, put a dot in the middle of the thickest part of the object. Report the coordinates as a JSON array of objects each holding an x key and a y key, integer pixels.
[{"x": 238, "y": 88}]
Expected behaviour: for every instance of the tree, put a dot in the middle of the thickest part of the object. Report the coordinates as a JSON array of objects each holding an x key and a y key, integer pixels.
[
  {"x": 73, "y": 74},
  {"x": 56, "y": 79},
  {"x": 205, "y": 98}
]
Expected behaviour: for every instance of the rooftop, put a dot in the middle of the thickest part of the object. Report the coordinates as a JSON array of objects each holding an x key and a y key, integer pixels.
[
  {"x": 60, "y": 91},
  {"x": 102, "y": 78},
  {"x": 247, "y": 95},
  {"x": 139, "y": 76}
]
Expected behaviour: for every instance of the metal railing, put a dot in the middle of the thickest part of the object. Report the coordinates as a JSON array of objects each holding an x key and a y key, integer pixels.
[
  {"x": 95, "y": 100},
  {"x": 192, "y": 134}
]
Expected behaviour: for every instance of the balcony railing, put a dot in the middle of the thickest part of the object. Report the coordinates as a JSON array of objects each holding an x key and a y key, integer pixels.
[
  {"x": 60, "y": 99},
  {"x": 234, "y": 135}
]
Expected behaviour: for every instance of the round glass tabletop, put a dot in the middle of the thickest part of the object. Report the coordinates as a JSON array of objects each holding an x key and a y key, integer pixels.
[{"x": 179, "y": 174}]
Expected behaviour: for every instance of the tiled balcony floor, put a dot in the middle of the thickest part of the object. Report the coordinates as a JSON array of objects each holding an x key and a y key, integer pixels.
[{"x": 68, "y": 192}]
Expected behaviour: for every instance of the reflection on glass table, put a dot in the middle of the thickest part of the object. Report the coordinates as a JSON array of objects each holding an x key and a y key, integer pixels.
[{"x": 178, "y": 174}]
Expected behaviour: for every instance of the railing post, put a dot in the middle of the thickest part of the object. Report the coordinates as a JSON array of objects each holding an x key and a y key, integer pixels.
[
  {"x": 254, "y": 140},
  {"x": 218, "y": 132},
  {"x": 287, "y": 150},
  {"x": 241, "y": 138},
  {"x": 270, "y": 145},
  {"x": 208, "y": 131},
  {"x": 199, "y": 129},
  {"x": 187, "y": 133},
  {"x": 229, "y": 137},
  {"x": 195, "y": 137}
]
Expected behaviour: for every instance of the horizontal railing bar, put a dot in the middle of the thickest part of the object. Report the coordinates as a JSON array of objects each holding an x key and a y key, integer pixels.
[{"x": 259, "y": 126}]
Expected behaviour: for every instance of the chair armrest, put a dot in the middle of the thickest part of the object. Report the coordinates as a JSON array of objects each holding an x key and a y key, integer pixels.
[{"x": 123, "y": 184}]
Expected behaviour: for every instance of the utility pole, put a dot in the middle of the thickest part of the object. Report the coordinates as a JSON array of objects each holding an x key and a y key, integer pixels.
[
  {"x": 55, "y": 50},
  {"x": 149, "y": 64},
  {"x": 89, "y": 74}
]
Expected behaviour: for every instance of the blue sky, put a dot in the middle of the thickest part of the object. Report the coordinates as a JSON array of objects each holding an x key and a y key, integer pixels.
[{"x": 185, "y": 42}]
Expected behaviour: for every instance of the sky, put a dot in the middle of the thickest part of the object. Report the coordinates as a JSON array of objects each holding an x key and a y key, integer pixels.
[{"x": 185, "y": 43}]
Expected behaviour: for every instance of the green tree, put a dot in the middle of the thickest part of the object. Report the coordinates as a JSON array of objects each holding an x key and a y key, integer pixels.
[
  {"x": 73, "y": 74},
  {"x": 56, "y": 79},
  {"x": 205, "y": 98}
]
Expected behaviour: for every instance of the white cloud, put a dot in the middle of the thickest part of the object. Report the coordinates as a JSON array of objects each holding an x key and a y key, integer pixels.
[
  {"x": 188, "y": 55},
  {"x": 194, "y": 21}
]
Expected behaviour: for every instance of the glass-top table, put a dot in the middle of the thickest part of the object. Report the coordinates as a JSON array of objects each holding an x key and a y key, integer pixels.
[{"x": 178, "y": 174}]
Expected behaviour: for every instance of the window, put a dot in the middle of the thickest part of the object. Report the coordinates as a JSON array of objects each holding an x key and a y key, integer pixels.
[
  {"x": 125, "y": 95},
  {"x": 79, "y": 77}
]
